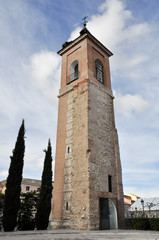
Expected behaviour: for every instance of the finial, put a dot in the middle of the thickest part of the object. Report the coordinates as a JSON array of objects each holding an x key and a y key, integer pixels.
[{"x": 85, "y": 21}]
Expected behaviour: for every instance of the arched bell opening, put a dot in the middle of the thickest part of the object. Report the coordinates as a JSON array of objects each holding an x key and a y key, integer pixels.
[{"x": 74, "y": 71}]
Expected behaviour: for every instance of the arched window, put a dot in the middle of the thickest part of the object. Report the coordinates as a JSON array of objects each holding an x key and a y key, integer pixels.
[
  {"x": 99, "y": 70},
  {"x": 74, "y": 71}
]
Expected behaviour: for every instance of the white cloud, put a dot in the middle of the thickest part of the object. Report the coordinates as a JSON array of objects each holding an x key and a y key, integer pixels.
[
  {"x": 4, "y": 174},
  {"x": 139, "y": 156},
  {"x": 130, "y": 104},
  {"x": 114, "y": 25},
  {"x": 109, "y": 25},
  {"x": 10, "y": 110},
  {"x": 44, "y": 68},
  {"x": 134, "y": 32},
  {"x": 116, "y": 28},
  {"x": 44, "y": 64},
  {"x": 128, "y": 67},
  {"x": 139, "y": 149}
]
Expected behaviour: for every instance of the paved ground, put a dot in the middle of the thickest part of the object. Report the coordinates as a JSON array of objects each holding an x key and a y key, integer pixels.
[{"x": 73, "y": 234}]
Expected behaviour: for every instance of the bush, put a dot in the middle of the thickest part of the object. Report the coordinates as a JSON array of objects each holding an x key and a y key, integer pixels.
[
  {"x": 154, "y": 224},
  {"x": 142, "y": 223},
  {"x": 128, "y": 223}
]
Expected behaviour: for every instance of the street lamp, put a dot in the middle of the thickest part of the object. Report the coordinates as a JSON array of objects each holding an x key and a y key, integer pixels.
[
  {"x": 150, "y": 205},
  {"x": 136, "y": 211},
  {"x": 142, "y": 203}
]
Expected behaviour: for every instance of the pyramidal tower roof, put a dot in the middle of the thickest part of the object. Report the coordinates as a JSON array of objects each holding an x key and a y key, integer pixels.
[{"x": 84, "y": 33}]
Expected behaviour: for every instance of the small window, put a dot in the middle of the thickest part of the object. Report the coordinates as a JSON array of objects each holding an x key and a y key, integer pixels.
[
  {"x": 68, "y": 150},
  {"x": 99, "y": 70},
  {"x": 74, "y": 71},
  {"x": 27, "y": 188},
  {"x": 66, "y": 205},
  {"x": 38, "y": 189},
  {"x": 110, "y": 183}
]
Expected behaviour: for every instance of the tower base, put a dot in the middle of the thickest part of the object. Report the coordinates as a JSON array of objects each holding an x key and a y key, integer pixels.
[{"x": 58, "y": 224}]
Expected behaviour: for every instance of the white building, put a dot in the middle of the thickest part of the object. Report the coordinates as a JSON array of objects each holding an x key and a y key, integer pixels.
[{"x": 145, "y": 207}]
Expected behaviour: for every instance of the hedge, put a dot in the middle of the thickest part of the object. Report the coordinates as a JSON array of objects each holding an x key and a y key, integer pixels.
[
  {"x": 154, "y": 223},
  {"x": 142, "y": 223}
]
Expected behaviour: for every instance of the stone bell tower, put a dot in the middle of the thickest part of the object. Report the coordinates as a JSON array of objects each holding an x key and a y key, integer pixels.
[{"x": 88, "y": 192}]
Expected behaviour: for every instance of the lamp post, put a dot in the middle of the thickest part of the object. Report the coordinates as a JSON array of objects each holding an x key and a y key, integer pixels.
[
  {"x": 136, "y": 212},
  {"x": 150, "y": 205},
  {"x": 142, "y": 203}
]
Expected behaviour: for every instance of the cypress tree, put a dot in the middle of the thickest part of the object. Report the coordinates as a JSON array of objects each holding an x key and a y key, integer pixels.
[
  {"x": 13, "y": 184},
  {"x": 44, "y": 204}
]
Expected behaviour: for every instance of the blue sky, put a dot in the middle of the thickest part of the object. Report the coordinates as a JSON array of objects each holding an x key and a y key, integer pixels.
[{"x": 32, "y": 31}]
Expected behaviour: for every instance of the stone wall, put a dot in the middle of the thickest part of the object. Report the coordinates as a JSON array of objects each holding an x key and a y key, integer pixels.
[{"x": 104, "y": 157}]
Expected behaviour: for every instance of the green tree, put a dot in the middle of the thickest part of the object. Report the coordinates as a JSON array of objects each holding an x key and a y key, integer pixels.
[
  {"x": 13, "y": 184},
  {"x": 1, "y": 202},
  {"x": 44, "y": 204},
  {"x": 1, "y": 208},
  {"x": 27, "y": 211}
]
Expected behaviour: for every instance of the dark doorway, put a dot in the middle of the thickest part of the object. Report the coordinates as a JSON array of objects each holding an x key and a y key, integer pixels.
[{"x": 104, "y": 214}]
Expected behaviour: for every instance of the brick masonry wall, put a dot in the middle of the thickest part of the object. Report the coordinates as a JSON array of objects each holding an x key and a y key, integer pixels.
[{"x": 60, "y": 160}]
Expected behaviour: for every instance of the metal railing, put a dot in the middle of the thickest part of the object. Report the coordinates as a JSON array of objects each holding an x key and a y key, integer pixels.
[{"x": 74, "y": 76}]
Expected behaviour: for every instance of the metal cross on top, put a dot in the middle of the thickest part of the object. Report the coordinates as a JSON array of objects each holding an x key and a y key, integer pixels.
[{"x": 85, "y": 21}]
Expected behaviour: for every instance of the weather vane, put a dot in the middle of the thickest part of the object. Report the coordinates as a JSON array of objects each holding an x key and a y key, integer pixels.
[{"x": 85, "y": 21}]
